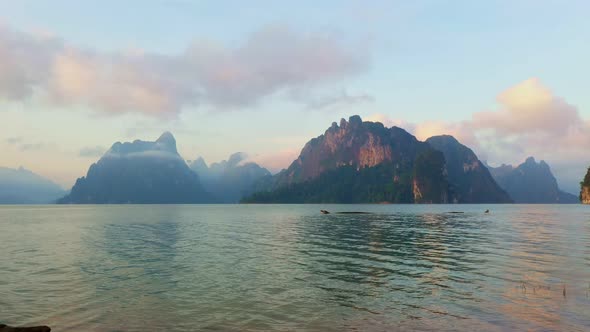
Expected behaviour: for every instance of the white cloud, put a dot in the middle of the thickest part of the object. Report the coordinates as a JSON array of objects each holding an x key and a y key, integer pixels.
[{"x": 92, "y": 151}]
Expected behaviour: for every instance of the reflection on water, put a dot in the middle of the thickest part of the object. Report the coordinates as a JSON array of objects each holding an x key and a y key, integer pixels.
[{"x": 283, "y": 268}]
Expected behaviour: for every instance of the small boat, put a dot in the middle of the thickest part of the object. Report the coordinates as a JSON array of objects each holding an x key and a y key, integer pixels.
[{"x": 324, "y": 212}]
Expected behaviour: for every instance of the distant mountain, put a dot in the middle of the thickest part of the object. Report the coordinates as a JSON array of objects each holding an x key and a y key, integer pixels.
[
  {"x": 585, "y": 188},
  {"x": 472, "y": 182},
  {"x": 21, "y": 186},
  {"x": 229, "y": 180},
  {"x": 139, "y": 172},
  {"x": 361, "y": 162},
  {"x": 531, "y": 182}
]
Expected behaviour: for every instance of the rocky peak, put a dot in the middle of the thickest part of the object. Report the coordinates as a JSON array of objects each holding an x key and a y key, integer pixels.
[
  {"x": 164, "y": 145},
  {"x": 199, "y": 165},
  {"x": 235, "y": 159},
  {"x": 352, "y": 143},
  {"x": 355, "y": 121},
  {"x": 167, "y": 141},
  {"x": 343, "y": 123}
]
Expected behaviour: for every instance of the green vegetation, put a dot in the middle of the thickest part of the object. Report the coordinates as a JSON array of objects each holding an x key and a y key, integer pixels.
[
  {"x": 345, "y": 184},
  {"x": 386, "y": 182}
]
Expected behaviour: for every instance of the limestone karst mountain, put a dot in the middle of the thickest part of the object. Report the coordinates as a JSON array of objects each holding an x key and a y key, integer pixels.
[{"x": 139, "y": 172}]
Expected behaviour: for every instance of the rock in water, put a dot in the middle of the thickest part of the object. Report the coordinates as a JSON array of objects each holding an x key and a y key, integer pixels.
[{"x": 585, "y": 190}]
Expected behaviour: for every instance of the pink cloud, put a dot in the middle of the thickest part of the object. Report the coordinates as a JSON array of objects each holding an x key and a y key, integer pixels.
[
  {"x": 528, "y": 107},
  {"x": 273, "y": 59},
  {"x": 530, "y": 120}
]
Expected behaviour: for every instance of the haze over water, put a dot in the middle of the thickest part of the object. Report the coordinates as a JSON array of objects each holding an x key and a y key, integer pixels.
[{"x": 287, "y": 267}]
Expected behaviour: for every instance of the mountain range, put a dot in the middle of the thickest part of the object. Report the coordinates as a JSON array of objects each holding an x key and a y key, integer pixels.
[
  {"x": 229, "y": 180},
  {"x": 21, "y": 186},
  {"x": 354, "y": 161},
  {"x": 365, "y": 162},
  {"x": 531, "y": 182}
]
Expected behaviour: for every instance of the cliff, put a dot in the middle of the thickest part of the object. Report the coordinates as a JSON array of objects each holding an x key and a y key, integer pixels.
[
  {"x": 585, "y": 189},
  {"x": 472, "y": 181}
]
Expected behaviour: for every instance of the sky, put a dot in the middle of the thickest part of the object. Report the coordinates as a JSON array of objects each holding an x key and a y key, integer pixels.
[{"x": 507, "y": 78}]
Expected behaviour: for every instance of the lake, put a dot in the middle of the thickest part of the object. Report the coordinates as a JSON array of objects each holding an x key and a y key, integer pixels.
[{"x": 290, "y": 268}]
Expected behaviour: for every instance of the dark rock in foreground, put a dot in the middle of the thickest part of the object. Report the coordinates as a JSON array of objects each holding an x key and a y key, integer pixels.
[{"x": 6, "y": 328}]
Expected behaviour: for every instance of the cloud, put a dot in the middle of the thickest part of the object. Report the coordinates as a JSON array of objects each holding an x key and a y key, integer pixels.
[
  {"x": 143, "y": 154},
  {"x": 529, "y": 108},
  {"x": 92, "y": 151},
  {"x": 530, "y": 120},
  {"x": 14, "y": 140},
  {"x": 272, "y": 60},
  {"x": 23, "y": 145},
  {"x": 25, "y": 60},
  {"x": 32, "y": 146}
]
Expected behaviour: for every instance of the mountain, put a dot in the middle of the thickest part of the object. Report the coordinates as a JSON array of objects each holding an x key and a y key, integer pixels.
[
  {"x": 531, "y": 182},
  {"x": 229, "y": 180},
  {"x": 139, "y": 172},
  {"x": 21, "y": 186},
  {"x": 585, "y": 189},
  {"x": 361, "y": 162},
  {"x": 472, "y": 181}
]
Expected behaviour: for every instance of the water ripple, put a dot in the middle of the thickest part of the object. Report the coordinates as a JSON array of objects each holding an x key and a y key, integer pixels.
[{"x": 287, "y": 267}]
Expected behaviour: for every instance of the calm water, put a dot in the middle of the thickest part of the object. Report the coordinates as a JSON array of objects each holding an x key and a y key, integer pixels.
[{"x": 287, "y": 267}]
